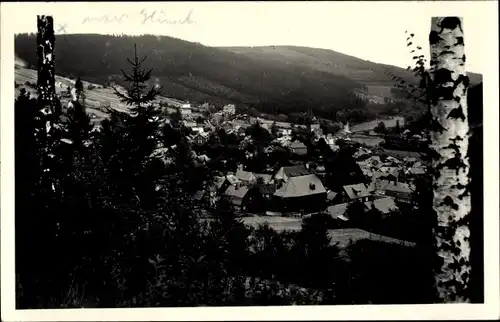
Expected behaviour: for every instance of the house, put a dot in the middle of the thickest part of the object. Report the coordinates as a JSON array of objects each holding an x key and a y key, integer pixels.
[
  {"x": 331, "y": 197},
  {"x": 229, "y": 110},
  {"x": 238, "y": 196},
  {"x": 393, "y": 173},
  {"x": 284, "y": 173},
  {"x": 246, "y": 176},
  {"x": 384, "y": 205},
  {"x": 381, "y": 175},
  {"x": 359, "y": 192},
  {"x": 304, "y": 193},
  {"x": 204, "y": 158},
  {"x": 198, "y": 129},
  {"x": 298, "y": 147},
  {"x": 266, "y": 191},
  {"x": 189, "y": 124},
  {"x": 264, "y": 178},
  {"x": 185, "y": 110},
  {"x": 338, "y": 211},
  {"x": 200, "y": 138},
  {"x": 416, "y": 171},
  {"x": 398, "y": 190},
  {"x": 284, "y": 131},
  {"x": 223, "y": 182},
  {"x": 227, "y": 126},
  {"x": 400, "y": 154},
  {"x": 315, "y": 126}
]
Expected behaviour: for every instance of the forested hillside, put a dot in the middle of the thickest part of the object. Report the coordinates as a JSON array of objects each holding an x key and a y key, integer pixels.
[{"x": 271, "y": 79}]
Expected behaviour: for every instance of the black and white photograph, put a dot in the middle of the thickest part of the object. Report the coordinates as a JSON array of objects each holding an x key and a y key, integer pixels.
[{"x": 265, "y": 155}]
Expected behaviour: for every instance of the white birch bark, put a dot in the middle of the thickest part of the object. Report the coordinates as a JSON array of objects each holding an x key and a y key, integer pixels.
[{"x": 450, "y": 165}]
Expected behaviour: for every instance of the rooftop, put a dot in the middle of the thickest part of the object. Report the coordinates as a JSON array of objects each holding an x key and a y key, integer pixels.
[
  {"x": 384, "y": 205},
  {"x": 355, "y": 191},
  {"x": 301, "y": 186}
]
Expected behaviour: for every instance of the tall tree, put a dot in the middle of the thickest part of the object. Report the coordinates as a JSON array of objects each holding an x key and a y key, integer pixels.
[
  {"x": 450, "y": 165},
  {"x": 46, "y": 67},
  {"x": 129, "y": 138}
]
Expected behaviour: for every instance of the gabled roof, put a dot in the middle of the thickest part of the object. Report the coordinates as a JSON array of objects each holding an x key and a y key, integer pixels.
[
  {"x": 199, "y": 195},
  {"x": 392, "y": 186},
  {"x": 218, "y": 182},
  {"x": 236, "y": 193},
  {"x": 301, "y": 186},
  {"x": 331, "y": 195},
  {"x": 355, "y": 191},
  {"x": 297, "y": 145},
  {"x": 384, "y": 205},
  {"x": 390, "y": 170},
  {"x": 417, "y": 170},
  {"x": 245, "y": 175},
  {"x": 296, "y": 170}
]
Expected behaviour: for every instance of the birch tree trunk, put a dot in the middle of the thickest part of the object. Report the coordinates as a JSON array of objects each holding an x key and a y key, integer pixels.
[
  {"x": 46, "y": 68},
  {"x": 450, "y": 166},
  {"x": 48, "y": 128}
]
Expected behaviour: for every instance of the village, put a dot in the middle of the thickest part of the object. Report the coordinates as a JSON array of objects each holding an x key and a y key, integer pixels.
[
  {"x": 283, "y": 177},
  {"x": 276, "y": 172}
]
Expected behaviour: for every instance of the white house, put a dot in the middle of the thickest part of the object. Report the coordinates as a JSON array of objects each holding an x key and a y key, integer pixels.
[
  {"x": 229, "y": 109},
  {"x": 185, "y": 109}
]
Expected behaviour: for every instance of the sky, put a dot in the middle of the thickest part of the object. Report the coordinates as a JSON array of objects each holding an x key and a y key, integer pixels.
[{"x": 372, "y": 31}]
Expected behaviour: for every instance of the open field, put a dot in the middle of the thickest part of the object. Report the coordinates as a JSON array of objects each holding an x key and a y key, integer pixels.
[
  {"x": 369, "y": 140},
  {"x": 368, "y": 126},
  {"x": 341, "y": 236},
  {"x": 345, "y": 235},
  {"x": 95, "y": 99},
  {"x": 277, "y": 223}
]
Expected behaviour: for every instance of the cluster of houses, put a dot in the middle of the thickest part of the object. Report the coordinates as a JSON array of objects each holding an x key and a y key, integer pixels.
[{"x": 299, "y": 189}]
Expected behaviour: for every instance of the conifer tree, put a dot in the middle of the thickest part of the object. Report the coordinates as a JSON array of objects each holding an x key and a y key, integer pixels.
[{"x": 130, "y": 138}]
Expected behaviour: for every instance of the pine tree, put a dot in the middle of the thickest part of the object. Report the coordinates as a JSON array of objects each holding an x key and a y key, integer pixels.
[
  {"x": 145, "y": 117},
  {"x": 79, "y": 89},
  {"x": 128, "y": 139}
]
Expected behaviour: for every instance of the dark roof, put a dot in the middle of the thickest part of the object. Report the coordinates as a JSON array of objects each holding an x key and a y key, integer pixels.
[
  {"x": 355, "y": 191},
  {"x": 199, "y": 195},
  {"x": 267, "y": 188},
  {"x": 266, "y": 177},
  {"x": 388, "y": 185},
  {"x": 331, "y": 195},
  {"x": 296, "y": 170}
]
